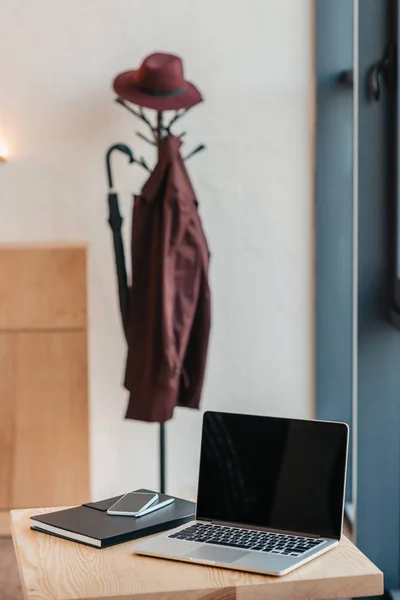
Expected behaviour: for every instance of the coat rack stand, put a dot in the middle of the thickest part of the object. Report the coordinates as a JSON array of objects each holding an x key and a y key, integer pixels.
[
  {"x": 162, "y": 432},
  {"x": 115, "y": 221}
]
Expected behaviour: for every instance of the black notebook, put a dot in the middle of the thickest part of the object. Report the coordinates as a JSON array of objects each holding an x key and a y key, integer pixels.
[{"x": 91, "y": 525}]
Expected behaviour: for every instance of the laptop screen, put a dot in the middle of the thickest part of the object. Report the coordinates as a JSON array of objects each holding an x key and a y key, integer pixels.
[{"x": 283, "y": 474}]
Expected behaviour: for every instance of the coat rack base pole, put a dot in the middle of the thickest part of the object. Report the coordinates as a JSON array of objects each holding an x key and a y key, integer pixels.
[
  {"x": 162, "y": 458},
  {"x": 162, "y": 425}
]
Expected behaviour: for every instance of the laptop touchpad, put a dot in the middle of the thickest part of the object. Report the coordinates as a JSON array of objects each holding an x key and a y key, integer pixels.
[{"x": 212, "y": 553}]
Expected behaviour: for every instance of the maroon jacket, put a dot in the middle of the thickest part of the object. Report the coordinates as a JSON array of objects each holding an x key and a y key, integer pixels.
[{"x": 169, "y": 316}]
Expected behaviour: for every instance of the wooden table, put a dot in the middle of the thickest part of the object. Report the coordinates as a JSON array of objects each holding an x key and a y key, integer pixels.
[{"x": 55, "y": 569}]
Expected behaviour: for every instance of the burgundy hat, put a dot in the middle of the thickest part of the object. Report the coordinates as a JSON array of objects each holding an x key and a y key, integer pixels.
[{"x": 159, "y": 83}]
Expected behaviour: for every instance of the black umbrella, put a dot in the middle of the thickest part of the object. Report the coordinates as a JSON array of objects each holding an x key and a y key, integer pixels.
[{"x": 115, "y": 221}]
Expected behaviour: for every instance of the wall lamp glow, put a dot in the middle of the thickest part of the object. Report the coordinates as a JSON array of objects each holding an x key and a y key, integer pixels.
[{"x": 3, "y": 152}]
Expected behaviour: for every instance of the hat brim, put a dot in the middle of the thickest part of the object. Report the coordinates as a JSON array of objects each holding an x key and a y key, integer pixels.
[{"x": 124, "y": 85}]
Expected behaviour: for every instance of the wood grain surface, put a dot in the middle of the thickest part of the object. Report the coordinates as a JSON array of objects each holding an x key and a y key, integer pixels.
[
  {"x": 7, "y": 418},
  {"x": 44, "y": 454},
  {"x": 42, "y": 287},
  {"x": 55, "y": 569}
]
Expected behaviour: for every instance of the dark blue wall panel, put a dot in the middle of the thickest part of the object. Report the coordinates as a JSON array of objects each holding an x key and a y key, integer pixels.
[
  {"x": 334, "y": 215},
  {"x": 378, "y": 479}
]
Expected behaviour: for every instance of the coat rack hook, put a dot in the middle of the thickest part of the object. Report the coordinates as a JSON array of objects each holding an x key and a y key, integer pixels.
[{"x": 198, "y": 148}]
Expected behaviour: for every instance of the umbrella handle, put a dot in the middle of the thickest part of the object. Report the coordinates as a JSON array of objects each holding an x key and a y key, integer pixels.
[{"x": 125, "y": 150}]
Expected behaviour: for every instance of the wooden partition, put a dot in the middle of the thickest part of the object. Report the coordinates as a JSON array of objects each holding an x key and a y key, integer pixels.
[{"x": 44, "y": 457}]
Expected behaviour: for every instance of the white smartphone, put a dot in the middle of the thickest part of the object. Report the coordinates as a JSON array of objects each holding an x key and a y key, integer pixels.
[
  {"x": 160, "y": 503},
  {"x": 132, "y": 504}
]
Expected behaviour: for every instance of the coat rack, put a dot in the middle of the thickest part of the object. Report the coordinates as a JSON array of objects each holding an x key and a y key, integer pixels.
[{"x": 115, "y": 220}]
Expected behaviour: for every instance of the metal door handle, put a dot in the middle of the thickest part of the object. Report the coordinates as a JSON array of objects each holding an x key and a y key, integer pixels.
[{"x": 384, "y": 70}]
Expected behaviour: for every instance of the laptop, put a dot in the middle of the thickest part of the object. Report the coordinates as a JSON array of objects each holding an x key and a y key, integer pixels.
[{"x": 270, "y": 495}]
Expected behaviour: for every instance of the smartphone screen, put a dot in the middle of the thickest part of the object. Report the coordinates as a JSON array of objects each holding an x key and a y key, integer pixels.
[{"x": 133, "y": 503}]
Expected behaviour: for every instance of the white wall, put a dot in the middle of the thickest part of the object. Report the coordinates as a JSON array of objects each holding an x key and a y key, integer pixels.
[{"x": 253, "y": 62}]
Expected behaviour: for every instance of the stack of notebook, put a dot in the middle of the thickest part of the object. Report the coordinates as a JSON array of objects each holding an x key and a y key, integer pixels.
[{"x": 90, "y": 524}]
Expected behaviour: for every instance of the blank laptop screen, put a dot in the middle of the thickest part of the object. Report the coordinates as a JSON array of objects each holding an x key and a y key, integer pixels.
[{"x": 283, "y": 474}]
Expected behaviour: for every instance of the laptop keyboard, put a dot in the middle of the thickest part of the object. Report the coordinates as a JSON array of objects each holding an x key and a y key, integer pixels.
[{"x": 261, "y": 541}]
